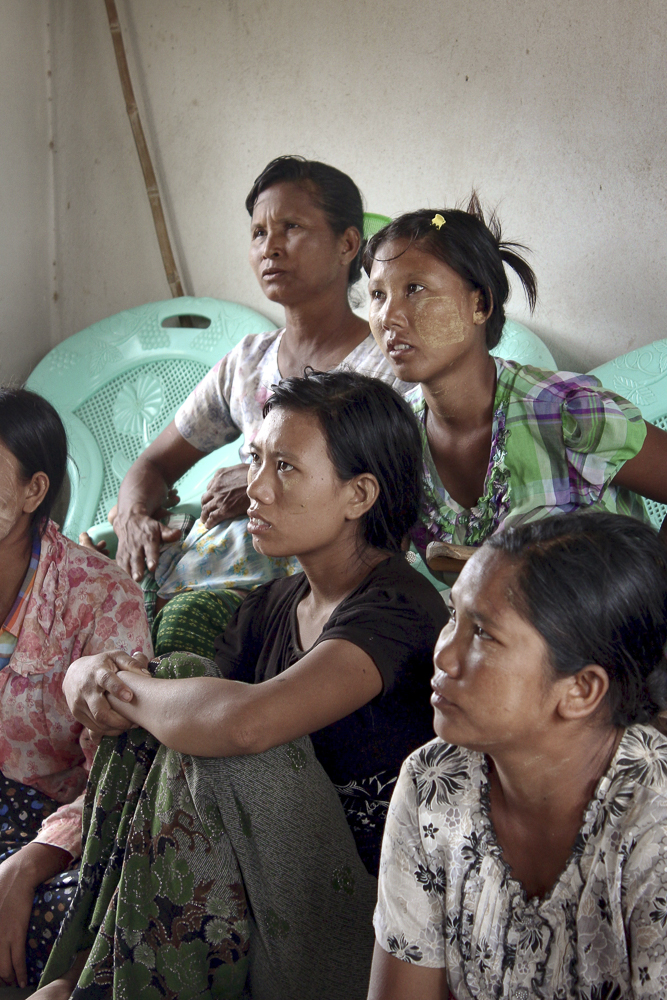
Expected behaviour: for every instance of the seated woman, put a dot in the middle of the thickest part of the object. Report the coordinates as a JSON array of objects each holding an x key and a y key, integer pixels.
[
  {"x": 181, "y": 848},
  {"x": 306, "y": 233},
  {"x": 525, "y": 851},
  {"x": 503, "y": 442},
  {"x": 57, "y": 602}
]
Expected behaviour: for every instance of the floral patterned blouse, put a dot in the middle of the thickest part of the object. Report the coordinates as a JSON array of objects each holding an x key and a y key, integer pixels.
[
  {"x": 80, "y": 604},
  {"x": 447, "y": 898},
  {"x": 558, "y": 439}
]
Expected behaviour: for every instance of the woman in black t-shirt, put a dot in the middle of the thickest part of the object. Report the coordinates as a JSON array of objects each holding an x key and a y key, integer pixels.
[{"x": 342, "y": 651}]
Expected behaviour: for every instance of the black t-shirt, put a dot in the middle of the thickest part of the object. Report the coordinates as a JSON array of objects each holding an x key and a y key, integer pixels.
[{"x": 395, "y": 616}]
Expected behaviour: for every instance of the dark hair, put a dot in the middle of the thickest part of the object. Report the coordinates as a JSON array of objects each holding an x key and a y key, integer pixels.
[
  {"x": 368, "y": 428},
  {"x": 32, "y": 430},
  {"x": 335, "y": 193},
  {"x": 472, "y": 247},
  {"x": 594, "y": 585}
]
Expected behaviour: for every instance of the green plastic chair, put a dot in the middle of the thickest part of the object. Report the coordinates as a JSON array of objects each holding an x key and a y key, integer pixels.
[
  {"x": 641, "y": 377},
  {"x": 119, "y": 382}
]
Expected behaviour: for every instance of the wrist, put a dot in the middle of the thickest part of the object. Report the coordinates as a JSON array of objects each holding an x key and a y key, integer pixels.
[{"x": 36, "y": 862}]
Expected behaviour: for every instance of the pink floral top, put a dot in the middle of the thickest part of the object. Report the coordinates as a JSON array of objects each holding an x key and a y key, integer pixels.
[{"x": 80, "y": 604}]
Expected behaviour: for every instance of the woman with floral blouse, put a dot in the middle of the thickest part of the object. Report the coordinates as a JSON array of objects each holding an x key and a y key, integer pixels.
[
  {"x": 58, "y": 601},
  {"x": 525, "y": 851}
]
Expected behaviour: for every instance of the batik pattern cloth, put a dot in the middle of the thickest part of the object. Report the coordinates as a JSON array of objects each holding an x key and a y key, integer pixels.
[
  {"x": 22, "y": 812},
  {"x": 448, "y": 900},
  {"x": 558, "y": 439},
  {"x": 180, "y": 850}
]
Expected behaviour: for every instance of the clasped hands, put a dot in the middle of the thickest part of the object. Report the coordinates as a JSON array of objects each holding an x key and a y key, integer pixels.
[{"x": 88, "y": 683}]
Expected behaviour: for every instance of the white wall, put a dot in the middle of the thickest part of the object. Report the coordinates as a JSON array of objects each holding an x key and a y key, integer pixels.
[
  {"x": 554, "y": 111},
  {"x": 26, "y": 216}
]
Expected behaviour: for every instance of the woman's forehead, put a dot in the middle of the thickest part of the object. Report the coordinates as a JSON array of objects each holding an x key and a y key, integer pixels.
[{"x": 296, "y": 430}]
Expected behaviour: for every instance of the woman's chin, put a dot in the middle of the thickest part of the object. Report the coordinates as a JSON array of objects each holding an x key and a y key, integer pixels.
[{"x": 266, "y": 548}]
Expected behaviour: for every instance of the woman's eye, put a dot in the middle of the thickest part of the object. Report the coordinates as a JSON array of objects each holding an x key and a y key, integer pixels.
[
  {"x": 284, "y": 467},
  {"x": 292, "y": 225},
  {"x": 258, "y": 231},
  {"x": 254, "y": 458},
  {"x": 376, "y": 294},
  {"x": 414, "y": 287},
  {"x": 481, "y": 634}
]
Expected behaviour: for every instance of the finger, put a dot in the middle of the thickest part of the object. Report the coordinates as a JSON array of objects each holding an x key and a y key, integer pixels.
[
  {"x": 206, "y": 497},
  {"x": 112, "y": 684},
  {"x": 94, "y": 737},
  {"x": 137, "y": 664},
  {"x": 169, "y": 534},
  {"x": 18, "y": 963},
  {"x": 216, "y": 516}
]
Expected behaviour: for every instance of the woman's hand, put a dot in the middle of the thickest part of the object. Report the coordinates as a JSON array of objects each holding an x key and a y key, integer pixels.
[
  {"x": 225, "y": 495},
  {"x": 140, "y": 536},
  {"x": 88, "y": 681},
  {"x": 20, "y": 875}
]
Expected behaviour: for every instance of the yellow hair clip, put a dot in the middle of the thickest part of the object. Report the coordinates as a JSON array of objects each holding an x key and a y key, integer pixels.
[{"x": 438, "y": 221}]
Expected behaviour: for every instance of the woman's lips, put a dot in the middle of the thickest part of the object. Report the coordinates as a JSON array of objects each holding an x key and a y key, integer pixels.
[
  {"x": 256, "y": 524},
  {"x": 272, "y": 272},
  {"x": 438, "y": 700},
  {"x": 399, "y": 350}
]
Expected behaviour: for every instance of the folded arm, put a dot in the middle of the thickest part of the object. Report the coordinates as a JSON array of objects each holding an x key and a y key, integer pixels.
[{"x": 215, "y": 717}]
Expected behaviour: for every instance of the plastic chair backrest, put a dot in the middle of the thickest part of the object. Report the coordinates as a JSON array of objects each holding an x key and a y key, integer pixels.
[
  {"x": 373, "y": 223},
  {"x": 641, "y": 377},
  {"x": 518, "y": 343},
  {"x": 119, "y": 382}
]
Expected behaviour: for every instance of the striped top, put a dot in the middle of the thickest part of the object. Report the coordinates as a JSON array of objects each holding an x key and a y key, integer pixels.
[
  {"x": 9, "y": 632},
  {"x": 558, "y": 440}
]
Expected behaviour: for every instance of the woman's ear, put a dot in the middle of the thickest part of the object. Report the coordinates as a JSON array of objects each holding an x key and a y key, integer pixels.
[
  {"x": 483, "y": 306},
  {"x": 36, "y": 490},
  {"x": 365, "y": 490},
  {"x": 350, "y": 242},
  {"x": 584, "y": 692}
]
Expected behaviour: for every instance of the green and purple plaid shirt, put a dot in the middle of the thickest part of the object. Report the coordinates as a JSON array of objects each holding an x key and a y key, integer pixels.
[{"x": 558, "y": 440}]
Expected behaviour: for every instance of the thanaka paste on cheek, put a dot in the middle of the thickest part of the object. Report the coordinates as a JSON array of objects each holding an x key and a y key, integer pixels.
[{"x": 438, "y": 321}]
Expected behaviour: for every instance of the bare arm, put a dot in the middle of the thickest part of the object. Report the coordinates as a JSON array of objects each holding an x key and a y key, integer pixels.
[
  {"x": 392, "y": 979},
  {"x": 646, "y": 473},
  {"x": 232, "y": 718},
  {"x": 143, "y": 491},
  {"x": 20, "y": 875}
]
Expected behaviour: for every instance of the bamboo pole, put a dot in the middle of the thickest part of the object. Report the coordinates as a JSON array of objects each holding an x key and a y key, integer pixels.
[{"x": 152, "y": 190}]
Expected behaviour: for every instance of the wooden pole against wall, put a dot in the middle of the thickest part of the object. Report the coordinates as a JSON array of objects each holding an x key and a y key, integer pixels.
[{"x": 150, "y": 179}]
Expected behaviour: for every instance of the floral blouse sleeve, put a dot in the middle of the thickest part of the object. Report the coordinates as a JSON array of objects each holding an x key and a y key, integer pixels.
[{"x": 409, "y": 918}]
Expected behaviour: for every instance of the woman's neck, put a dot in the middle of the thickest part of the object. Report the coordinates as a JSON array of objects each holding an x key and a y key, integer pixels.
[
  {"x": 564, "y": 769},
  {"x": 462, "y": 396},
  {"x": 15, "y": 550},
  {"x": 332, "y": 575},
  {"x": 319, "y": 333},
  {"x": 539, "y": 796}
]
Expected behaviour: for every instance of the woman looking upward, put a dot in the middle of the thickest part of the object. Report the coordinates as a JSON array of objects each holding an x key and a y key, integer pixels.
[{"x": 305, "y": 241}]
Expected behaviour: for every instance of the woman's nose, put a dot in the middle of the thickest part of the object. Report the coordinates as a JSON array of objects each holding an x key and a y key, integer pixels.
[
  {"x": 446, "y": 657},
  {"x": 273, "y": 244},
  {"x": 259, "y": 487},
  {"x": 393, "y": 316}
]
